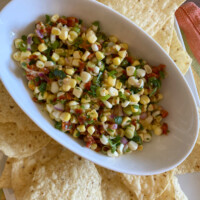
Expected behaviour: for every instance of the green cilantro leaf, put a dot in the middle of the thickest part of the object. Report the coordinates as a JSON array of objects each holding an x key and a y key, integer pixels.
[
  {"x": 122, "y": 96},
  {"x": 118, "y": 120},
  {"x": 42, "y": 87},
  {"x": 58, "y": 125},
  {"x": 112, "y": 73},
  {"x": 114, "y": 143},
  {"x": 59, "y": 73}
]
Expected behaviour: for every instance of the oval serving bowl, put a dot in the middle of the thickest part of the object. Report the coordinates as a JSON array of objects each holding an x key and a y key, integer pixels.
[{"x": 162, "y": 153}]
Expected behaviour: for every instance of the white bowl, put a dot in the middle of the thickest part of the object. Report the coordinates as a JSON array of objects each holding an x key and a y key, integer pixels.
[{"x": 160, "y": 155}]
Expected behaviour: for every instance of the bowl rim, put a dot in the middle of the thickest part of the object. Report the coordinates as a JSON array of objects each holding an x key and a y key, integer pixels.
[{"x": 164, "y": 169}]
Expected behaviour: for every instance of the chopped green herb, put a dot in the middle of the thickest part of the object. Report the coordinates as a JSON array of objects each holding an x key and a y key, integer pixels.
[
  {"x": 36, "y": 40},
  {"x": 48, "y": 19},
  {"x": 92, "y": 90},
  {"x": 153, "y": 92},
  {"x": 80, "y": 21},
  {"x": 136, "y": 106},
  {"x": 112, "y": 73},
  {"x": 59, "y": 73},
  {"x": 137, "y": 113},
  {"x": 154, "y": 82},
  {"x": 110, "y": 130},
  {"x": 105, "y": 98},
  {"x": 137, "y": 139},
  {"x": 122, "y": 96},
  {"x": 43, "y": 87},
  {"x": 118, "y": 120},
  {"x": 124, "y": 63},
  {"x": 114, "y": 143},
  {"x": 24, "y": 38},
  {"x": 90, "y": 122},
  {"x": 96, "y": 23},
  {"x": 135, "y": 90},
  {"x": 55, "y": 45},
  {"x": 58, "y": 125},
  {"x": 22, "y": 46},
  {"x": 97, "y": 80},
  {"x": 123, "y": 78},
  {"x": 76, "y": 29},
  {"x": 24, "y": 65},
  {"x": 162, "y": 74},
  {"x": 78, "y": 42}
]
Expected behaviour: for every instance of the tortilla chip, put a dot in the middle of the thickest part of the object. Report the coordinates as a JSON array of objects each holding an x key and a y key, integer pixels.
[
  {"x": 112, "y": 187},
  {"x": 5, "y": 178},
  {"x": 66, "y": 176},
  {"x": 149, "y": 16},
  {"x": 191, "y": 164},
  {"x": 11, "y": 112},
  {"x": 147, "y": 187},
  {"x": 18, "y": 143},
  {"x": 179, "y": 55},
  {"x": 179, "y": 194},
  {"x": 173, "y": 191},
  {"x": 164, "y": 35},
  {"x": 23, "y": 169}
]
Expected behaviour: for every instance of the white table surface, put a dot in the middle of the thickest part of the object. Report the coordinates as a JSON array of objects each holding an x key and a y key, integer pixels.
[{"x": 190, "y": 183}]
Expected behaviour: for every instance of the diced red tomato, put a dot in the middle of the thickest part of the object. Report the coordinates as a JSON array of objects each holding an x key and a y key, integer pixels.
[
  {"x": 164, "y": 113},
  {"x": 164, "y": 128},
  {"x": 65, "y": 126},
  {"x": 152, "y": 75},
  {"x": 69, "y": 96},
  {"x": 82, "y": 66},
  {"x": 71, "y": 21},
  {"x": 133, "y": 122},
  {"x": 78, "y": 111},
  {"x": 62, "y": 21},
  {"x": 90, "y": 56},
  {"x": 88, "y": 85},
  {"x": 130, "y": 59},
  {"x": 33, "y": 57},
  {"x": 81, "y": 119},
  {"x": 45, "y": 70}
]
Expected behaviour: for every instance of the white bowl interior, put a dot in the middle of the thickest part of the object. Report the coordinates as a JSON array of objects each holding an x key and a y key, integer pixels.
[{"x": 163, "y": 152}]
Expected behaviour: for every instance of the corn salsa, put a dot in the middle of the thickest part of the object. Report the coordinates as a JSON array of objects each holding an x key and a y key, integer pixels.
[{"x": 90, "y": 85}]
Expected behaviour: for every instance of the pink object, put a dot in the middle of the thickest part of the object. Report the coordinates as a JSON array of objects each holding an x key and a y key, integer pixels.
[
  {"x": 143, "y": 115},
  {"x": 188, "y": 16},
  {"x": 124, "y": 141}
]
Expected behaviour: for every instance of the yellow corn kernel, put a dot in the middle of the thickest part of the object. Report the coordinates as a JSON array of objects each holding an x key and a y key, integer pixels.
[
  {"x": 136, "y": 62},
  {"x": 91, "y": 37},
  {"x": 117, "y": 61},
  {"x": 140, "y": 148},
  {"x": 83, "y": 100},
  {"x": 17, "y": 56},
  {"x": 76, "y": 133},
  {"x": 159, "y": 97},
  {"x": 37, "y": 53},
  {"x": 65, "y": 116},
  {"x": 124, "y": 46},
  {"x": 111, "y": 81},
  {"x": 134, "y": 98},
  {"x": 18, "y": 42},
  {"x": 55, "y": 57},
  {"x": 61, "y": 61},
  {"x": 99, "y": 55},
  {"x": 113, "y": 39},
  {"x": 157, "y": 130},
  {"x": 116, "y": 47},
  {"x": 60, "y": 51},
  {"x": 55, "y": 18},
  {"x": 93, "y": 146},
  {"x": 93, "y": 114},
  {"x": 118, "y": 85},
  {"x": 126, "y": 121},
  {"x": 70, "y": 71},
  {"x": 144, "y": 100},
  {"x": 25, "y": 54},
  {"x": 43, "y": 58},
  {"x": 55, "y": 31},
  {"x": 72, "y": 83},
  {"x": 66, "y": 87},
  {"x": 31, "y": 85},
  {"x": 64, "y": 34},
  {"x": 104, "y": 119},
  {"x": 81, "y": 128},
  {"x": 122, "y": 54},
  {"x": 76, "y": 62},
  {"x": 39, "y": 64},
  {"x": 85, "y": 55},
  {"x": 72, "y": 36},
  {"x": 146, "y": 91},
  {"x": 150, "y": 107},
  {"x": 91, "y": 130},
  {"x": 50, "y": 97},
  {"x": 42, "y": 47},
  {"x": 77, "y": 54},
  {"x": 121, "y": 132}
]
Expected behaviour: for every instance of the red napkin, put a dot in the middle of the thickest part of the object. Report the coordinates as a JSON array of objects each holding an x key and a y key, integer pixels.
[{"x": 188, "y": 16}]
